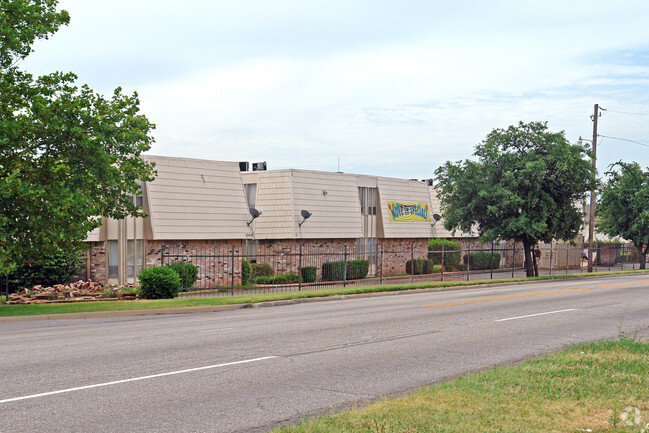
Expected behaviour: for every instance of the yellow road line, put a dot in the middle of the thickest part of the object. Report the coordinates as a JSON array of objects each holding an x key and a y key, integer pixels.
[{"x": 531, "y": 294}]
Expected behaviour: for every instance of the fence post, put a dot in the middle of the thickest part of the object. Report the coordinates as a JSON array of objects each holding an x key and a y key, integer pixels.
[
  {"x": 299, "y": 269},
  {"x": 381, "y": 268},
  {"x": 412, "y": 263},
  {"x": 345, "y": 269},
  {"x": 551, "y": 258},
  {"x": 162, "y": 255},
  {"x": 468, "y": 261},
  {"x": 232, "y": 272},
  {"x": 491, "y": 262},
  {"x": 442, "y": 279},
  {"x": 513, "y": 259}
]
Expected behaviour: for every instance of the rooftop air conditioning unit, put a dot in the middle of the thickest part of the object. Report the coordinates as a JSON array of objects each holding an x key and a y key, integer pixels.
[{"x": 259, "y": 166}]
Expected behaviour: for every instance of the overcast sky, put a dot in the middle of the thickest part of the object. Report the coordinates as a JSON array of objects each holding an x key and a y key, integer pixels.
[{"x": 392, "y": 88}]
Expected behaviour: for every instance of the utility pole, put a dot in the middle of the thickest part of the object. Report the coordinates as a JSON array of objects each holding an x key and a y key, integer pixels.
[{"x": 591, "y": 213}]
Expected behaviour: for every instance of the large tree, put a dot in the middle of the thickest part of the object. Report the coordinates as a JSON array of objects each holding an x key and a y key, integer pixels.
[
  {"x": 623, "y": 208},
  {"x": 525, "y": 186},
  {"x": 67, "y": 155}
]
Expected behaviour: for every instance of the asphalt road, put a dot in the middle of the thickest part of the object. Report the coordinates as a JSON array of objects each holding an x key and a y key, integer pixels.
[{"x": 249, "y": 370}]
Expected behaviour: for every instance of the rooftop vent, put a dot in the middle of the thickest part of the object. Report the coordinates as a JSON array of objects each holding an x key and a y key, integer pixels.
[{"x": 259, "y": 166}]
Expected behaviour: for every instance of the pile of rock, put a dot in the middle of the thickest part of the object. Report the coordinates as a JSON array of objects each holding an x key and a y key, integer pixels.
[{"x": 78, "y": 291}]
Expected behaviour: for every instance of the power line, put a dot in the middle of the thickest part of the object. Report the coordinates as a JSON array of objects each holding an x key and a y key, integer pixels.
[
  {"x": 626, "y": 139},
  {"x": 626, "y": 112}
]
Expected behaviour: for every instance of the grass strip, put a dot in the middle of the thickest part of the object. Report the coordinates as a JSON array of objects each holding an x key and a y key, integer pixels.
[
  {"x": 587, "y": 387},
  {"x": 86, "y": 307}
]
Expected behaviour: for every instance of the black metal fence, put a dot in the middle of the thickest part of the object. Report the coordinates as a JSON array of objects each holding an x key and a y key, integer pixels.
[{"x": 296, "y": 268}]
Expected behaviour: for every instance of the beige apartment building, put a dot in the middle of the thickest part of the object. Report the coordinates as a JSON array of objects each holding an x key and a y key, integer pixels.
[{"x": 202, "y": 205}]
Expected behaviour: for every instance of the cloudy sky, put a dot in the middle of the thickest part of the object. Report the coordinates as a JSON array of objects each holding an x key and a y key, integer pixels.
[{"x": 392, "y": 88}]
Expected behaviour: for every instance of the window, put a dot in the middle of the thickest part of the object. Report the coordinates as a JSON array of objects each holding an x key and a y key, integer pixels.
[
  {"x": 134, "y": 257},
  {"x": 113, "y": 259},
  {"x": 250, "y": 251},
  {"x": 368, "y": 198},
  {"x": 251, "y": 194}
]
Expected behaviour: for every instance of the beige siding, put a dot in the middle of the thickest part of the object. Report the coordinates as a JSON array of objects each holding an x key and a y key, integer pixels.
[
  {"x": 196, "y": 199},
  {"x": 275, "y": 202},
  {"x": 332, "y": 199},
  {"x": 403, "y": 191}
]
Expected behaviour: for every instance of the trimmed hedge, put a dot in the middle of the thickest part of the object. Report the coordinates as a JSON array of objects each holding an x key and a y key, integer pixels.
[
  {"x": 246, "y": 271},
  {"x": 357, "y": 269},
  {"x": 187, "y": 272},
  {"x": 483, "y": 260},
  {"x": 309, "y": 274},
  {"x": 452, "y": 253},
  {"x": 278, "y": 279},
  {"x": 422, "y": 266},
  {"x": 335, "y": 271},
  {"x": 261, "y": 270},
  {"x": 158, "y": 282}
]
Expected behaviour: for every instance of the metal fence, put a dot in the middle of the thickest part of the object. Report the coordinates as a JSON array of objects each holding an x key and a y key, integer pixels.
[{"x": 297, "y": 268}]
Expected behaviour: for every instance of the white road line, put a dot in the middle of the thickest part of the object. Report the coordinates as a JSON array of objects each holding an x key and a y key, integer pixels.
[
  {"x": 534, "y": 315},
  {"x": 79, "y": 388}
]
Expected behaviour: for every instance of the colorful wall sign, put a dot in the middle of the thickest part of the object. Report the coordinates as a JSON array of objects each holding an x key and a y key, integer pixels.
[{"x": 408, "y": 211}]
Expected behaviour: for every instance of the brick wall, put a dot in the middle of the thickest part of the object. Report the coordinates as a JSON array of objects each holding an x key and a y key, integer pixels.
[
  {"x": 284, "y": 255},
  {"x": 396, "y": 252},
  {"x": 213, "y": 258},
  {"x": 98, "y": 264}
]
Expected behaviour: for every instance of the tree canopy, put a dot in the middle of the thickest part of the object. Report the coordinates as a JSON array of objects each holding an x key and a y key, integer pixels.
[
  {"x": 67, "y": 155},
  {"x": 623, "y": 208},
  {"x": 525, "y": 186}
]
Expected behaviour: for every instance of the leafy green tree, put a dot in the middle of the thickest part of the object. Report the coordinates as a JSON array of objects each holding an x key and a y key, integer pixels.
[
  {"x": 67, "y": 155},
  {"x": 524, "y": 186},
  {"x": 623, "y": 208}
]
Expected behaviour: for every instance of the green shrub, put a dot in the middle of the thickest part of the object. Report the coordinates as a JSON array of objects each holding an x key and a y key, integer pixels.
[
  {"x": 158, "y": 282},
  {"x": 452, "y": 252},
  {"x": 357, "y": 269},
  {"x": 309, "y": 274},
  {"x": 278, "y": 279},
  {"x": 335, "y": 271},
  {"x": 419, "y": 267},
  {"x": 422, "y": 266},
  {"x": 246, "y": 271},
  {"x": 483, "y": 260},
  {"x": 56, "y": 269},
  {"x": 261, "y": 270},
  {"x": 460, "y": 267},
  {"x": 187, "y": 272}
]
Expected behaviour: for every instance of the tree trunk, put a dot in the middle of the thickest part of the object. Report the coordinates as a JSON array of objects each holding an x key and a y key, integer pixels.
[
  {"x": 643, "y": 255},
  {"x": 534, "y": 261},
  {"x": 529, "y": 264}
]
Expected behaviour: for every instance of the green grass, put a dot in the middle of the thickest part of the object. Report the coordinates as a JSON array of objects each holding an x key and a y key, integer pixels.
[
  {"x": 81, "y": 307},
  {"x": 583, "y": 388}
]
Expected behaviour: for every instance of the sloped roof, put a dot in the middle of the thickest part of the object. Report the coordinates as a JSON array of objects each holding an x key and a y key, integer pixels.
[
  {"x": 407, "y": 192},
  {"x": 196, "y": 199},
  {"x": 331, "y": 198}
]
